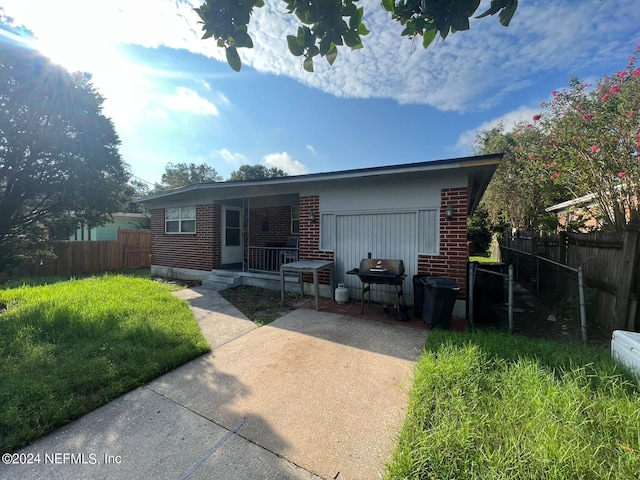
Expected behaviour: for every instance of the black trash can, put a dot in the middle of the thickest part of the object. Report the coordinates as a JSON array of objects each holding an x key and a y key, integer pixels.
[
  {"x": 439, "y": 299},
  {"x": 418, "y": 293}
]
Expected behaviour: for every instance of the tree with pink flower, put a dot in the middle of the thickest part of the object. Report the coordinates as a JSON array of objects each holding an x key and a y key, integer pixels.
[
  {"x": 586, "y": 141},
  {"x": 597, "y": 145}
]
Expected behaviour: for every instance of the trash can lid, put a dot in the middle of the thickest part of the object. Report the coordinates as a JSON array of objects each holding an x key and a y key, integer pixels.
[{"x": 441, "y": 282}]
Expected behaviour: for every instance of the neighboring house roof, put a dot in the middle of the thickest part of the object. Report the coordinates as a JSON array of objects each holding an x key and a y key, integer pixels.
[
  {"x": 564, "y": 206},
  {"x": 479, "y": 168}
]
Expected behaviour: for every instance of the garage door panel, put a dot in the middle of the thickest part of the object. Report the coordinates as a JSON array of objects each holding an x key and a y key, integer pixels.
[{"x": 384, "y": 235}]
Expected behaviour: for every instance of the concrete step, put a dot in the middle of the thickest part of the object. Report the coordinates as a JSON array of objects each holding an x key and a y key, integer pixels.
[{"x": 221, "y": 281}]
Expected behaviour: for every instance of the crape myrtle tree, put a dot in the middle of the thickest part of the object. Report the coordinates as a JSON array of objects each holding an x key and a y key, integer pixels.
[
  {"x": 518, "y": 192},
  {"x": 326, "y": 25},
  {"x": 59, "y": 159},
  {"x": 593, "y": 143},
  {"x": 585, "y": 141}
]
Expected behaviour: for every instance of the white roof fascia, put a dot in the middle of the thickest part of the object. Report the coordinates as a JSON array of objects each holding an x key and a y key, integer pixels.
[{"x": 329, "y": 176}]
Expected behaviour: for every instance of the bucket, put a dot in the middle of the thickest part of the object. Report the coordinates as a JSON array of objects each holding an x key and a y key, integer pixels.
[{"x": 342, "y": 293}]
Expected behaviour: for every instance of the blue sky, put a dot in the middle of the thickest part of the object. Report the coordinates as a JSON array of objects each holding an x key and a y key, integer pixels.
[{"x": 173, "y": 98}]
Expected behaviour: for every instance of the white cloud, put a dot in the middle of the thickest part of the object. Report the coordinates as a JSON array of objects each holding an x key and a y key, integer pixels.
[
  {"x": 187, "y": 100},
  {"x": 285, "y": 162},
  {"x": 466, "y": 140},
  {"x": 230, "y": 157},
  {"x": 312, "y": 149},
  {"x": 469, "y": 71},
  {"x": 206, "y": 85}
]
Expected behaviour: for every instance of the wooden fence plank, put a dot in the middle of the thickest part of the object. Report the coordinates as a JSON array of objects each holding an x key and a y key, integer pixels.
[{"x": 610, "y": 263}]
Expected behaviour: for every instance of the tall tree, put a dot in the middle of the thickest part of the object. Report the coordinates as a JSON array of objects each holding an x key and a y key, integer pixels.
[
  {"x": 586, "y": 141},
  {"x": 518, "y": 192},
  {"x": 58, "y": 152},
  {"x": 594, "y": 143},
  {"x": 181, "y": 174},
  {"x": 256, "y": 172},
  {"x": 329, "y": 24}
]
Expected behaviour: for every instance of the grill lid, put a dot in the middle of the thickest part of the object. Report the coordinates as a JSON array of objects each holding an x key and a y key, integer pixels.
[{"x": 382, "y": 267}]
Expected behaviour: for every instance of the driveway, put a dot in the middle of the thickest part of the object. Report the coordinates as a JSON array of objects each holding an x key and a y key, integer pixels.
[{"x": 311, "y": 395}]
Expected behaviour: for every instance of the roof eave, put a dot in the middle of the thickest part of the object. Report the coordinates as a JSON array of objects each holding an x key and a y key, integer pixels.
[{"x": 447, "y": 164}]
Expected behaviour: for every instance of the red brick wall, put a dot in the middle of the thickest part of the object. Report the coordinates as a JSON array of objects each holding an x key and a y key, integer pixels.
[
  {"x": 310, "y": 236},
  {"x": 279, "y": 219},
  {"x": 452, "y": 261},
  {"x": 199, "y": 251}
]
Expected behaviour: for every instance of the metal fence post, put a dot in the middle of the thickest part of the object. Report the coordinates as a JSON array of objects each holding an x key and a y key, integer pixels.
[
  {"x": 510, "y": 298},
  {"x": 537, "y": 277},
  {"x": 472, "y": 268},
  {"x": 583, "y": 314}
]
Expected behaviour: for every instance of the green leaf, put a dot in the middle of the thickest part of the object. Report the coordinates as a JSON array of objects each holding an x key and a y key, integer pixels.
[
  {"x": 362, "y": 29},
  {"x": 507, "y": 13},
  {"x": 331, "y": 55},
  {"x": 444, "y": 30},
  {"x": 233, "y": 59},
  {"x": 220, "y": 43},
  {"x": 495, "y": 7},
  {"x": 354, "y": 21},
  {"x": 308, "y": 64},
  {"x": 388, "y": 5},
  {"x": 207, "y": 34},
  {"x": 242, "y": 39},
  {"x": 259, "y": 3},
  {"x": 352, "y": 39},
  {"x": 459, "y": 22},
  {"x": 326, "y": 45},
  {"x": 428, "y": 36},
  {"x": 294, "y": 47}
]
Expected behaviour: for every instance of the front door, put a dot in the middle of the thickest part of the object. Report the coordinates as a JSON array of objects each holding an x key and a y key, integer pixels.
[{"x": 231, "y": 235}]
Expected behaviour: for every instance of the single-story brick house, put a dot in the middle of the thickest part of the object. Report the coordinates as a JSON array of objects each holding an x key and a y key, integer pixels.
[{"x": 416, "y": 212}]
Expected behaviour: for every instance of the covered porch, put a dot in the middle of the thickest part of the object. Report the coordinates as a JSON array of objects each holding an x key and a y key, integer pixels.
[{"x": 259, "y": 234}]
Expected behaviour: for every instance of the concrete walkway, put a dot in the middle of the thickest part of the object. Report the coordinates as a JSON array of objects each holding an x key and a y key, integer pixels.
[{"x": 312, "y": 395}]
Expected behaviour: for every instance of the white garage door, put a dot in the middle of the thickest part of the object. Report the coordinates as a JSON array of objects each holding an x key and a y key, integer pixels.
[{"x": 384, "y": 235}]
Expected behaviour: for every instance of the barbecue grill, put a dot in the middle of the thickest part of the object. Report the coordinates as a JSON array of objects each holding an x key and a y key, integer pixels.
[{"x": 382, "y": 272}]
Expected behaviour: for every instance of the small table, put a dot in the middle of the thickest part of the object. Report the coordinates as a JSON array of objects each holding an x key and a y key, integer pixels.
[{"x": 306, "y": 266}]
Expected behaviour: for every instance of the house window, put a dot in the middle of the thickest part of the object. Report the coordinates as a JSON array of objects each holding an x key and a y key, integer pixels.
[
  {"x": 327, "y": 231},
  {"x": 428, "y": 232},
  {"x": 295, "y": 219},
  {"x": 180, "y": 220}
]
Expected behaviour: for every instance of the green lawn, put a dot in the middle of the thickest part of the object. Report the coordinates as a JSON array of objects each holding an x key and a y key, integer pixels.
[
  {"x": 71, "y": 346},
  {"x": 488, "y": 405}
]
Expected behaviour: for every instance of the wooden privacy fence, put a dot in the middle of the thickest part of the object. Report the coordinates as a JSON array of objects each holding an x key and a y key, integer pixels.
[
  {"x": 136, "y": 245},
  {"x": 131, "y": 250},
  {"x": 610, "y": 264}
]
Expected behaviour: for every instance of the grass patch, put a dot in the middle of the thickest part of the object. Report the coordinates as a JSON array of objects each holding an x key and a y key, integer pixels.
[
  {"x": 71, "y": 346},
  {"x": 492, "y": 406},
  {"x": 260, "y": 305},
  {"x": 130, "y": 272}
]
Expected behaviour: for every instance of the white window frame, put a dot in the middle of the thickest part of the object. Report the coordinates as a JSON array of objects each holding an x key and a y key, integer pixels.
[{"x": 181, "y": 216}]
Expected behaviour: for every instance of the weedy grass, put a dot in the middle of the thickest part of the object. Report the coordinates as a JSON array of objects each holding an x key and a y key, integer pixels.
[
  {"x": 488, "y": 405},
  {"x": 68, "y": 347}
]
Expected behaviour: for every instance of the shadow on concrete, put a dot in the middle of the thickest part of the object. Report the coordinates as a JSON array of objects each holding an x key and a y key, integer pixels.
[{"x": 360, "y": 333}]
